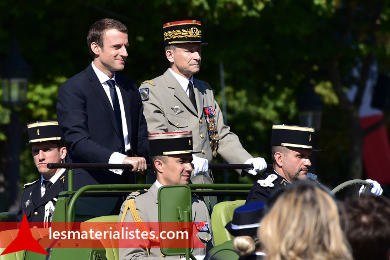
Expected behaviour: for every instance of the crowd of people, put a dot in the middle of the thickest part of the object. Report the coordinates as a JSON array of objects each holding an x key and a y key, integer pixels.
[{"x": 174, "y": 123}]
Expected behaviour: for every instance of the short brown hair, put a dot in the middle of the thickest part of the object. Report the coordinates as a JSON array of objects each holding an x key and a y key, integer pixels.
[
  {"x": 278, "y": 149},
  {"x": 157, "y": 157},
  {"x": 95, "y": 33},
  {"x": 368, "y": 226}
]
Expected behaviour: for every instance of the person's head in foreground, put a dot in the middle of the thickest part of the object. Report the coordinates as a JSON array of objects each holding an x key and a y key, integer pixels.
[
  {"x": 244, "y": 225},
  {"x": 303, "y": 223},
  {"x": 171, "y": 156},
  {"x": 291, "y": 147},
  {"x": 368, "y": 226},
  {"x": 47, "y": 146}
]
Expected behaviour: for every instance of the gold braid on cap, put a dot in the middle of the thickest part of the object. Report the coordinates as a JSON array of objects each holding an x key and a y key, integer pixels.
[{"x": 184, "y": 33}]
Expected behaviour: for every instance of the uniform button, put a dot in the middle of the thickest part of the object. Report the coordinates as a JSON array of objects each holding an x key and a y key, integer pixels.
[
  {"x": 200, "y": 121},
  {"x": 207, "y": 239},
  {"x": 35, "y": 213},
  {"x": 177, "y": 124},
  {"x": 202, "y": 151},
  {"x": 201, "y": 135}
]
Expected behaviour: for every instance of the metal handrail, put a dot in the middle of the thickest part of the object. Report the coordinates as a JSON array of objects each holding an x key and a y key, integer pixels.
[{"x": 102, "y": 166}]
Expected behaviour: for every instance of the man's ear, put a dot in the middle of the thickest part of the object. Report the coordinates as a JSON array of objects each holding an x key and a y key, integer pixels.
[
  {"x": 278, "y": 156},
  {"x": 63, "y": 152},
  {"x": 158, "y": 164},
  {"x": 170, "y": 55},
  {"x": 95, "y": 48}
]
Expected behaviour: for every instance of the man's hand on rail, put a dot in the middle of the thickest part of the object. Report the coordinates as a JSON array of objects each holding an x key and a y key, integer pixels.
[
  {"x": 258, "y": 163},
  {"x": 201, "y": 165},
  {"x": 138, "y": 163}
]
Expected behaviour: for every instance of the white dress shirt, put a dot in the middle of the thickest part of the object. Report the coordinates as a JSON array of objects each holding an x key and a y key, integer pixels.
[
  {"x": 182, "y": 81},
  {"x": 52, "y": 180},
  {"x": 115, "y": 158}
]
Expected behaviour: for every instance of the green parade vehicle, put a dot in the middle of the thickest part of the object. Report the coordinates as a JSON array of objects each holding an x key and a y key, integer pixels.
[{"x": 174, "y": 206}]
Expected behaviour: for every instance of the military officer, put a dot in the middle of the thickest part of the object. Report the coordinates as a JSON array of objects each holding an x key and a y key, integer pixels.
[
  {"x": 291, "y": 147},
  {"x": 176, "y": 101},
  {"x": 171, "y": 159},
  {"x": 39, "y": 197}
]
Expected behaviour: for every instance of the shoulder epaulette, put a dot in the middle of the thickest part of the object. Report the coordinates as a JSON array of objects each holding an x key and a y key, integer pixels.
[
  {"x": 268, "y": 182},
  {"x": 150, "y": 82},
  {"x": 135, "y": 194},
  {"x": 29, "y": 184}
]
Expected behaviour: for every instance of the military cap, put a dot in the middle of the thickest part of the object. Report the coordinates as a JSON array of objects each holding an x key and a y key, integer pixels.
[
  {"x": 188, "y": 31},
  {"x": 246, "y": 219},
  {"x": 42, "y": 131},
  {"x": 170, "y": 143},
  {"x": 293, "y": 136}
]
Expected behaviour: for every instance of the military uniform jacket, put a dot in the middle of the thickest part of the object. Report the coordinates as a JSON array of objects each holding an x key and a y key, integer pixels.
[
  {"x": 147, "y": 208},
  {"x": 261, "y": 193},
  {"x": 165, "y": 93},
  {"x": 33, "y": 205}
]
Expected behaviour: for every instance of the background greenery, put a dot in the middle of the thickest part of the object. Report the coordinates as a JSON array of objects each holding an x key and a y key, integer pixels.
[{"x": 270, "y": 50}]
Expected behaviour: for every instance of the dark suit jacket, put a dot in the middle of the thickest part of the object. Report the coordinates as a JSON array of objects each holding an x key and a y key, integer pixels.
[
  {"x": 33, "y": 205},
  {"x": 91, "y": 132}
]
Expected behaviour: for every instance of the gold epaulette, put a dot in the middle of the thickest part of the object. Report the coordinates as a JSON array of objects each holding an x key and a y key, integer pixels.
[
  {"x": 130, "y": 204},
  {"x": 150, "y": 82}
]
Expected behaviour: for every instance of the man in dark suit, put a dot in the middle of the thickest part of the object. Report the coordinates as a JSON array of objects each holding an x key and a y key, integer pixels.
[
  {"x": 100, "y": 111},
  {"x": 39, "y": 197}
]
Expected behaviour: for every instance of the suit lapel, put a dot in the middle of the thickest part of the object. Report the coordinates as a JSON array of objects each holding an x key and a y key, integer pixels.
[
  {"x": 199, "y": 98},
  {"x": 126, "y": 103},
  {"x": 154, "y": 191},
  {"x": 98, "y": 88},
  {"x": 179, "y": 93},
  {"x": 36, "y": 194},
  {"x": 53, "y": 192}
]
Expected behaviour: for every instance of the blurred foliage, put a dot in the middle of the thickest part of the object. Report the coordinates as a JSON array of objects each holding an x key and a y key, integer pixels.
[{"x": 270, "y": 50}]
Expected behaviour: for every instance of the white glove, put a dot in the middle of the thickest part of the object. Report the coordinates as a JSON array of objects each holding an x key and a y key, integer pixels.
[
  {"x": 376, "y": 188},
  {"x": 201, "y": 166},
  {"x": 258, "y": 163},
  {"x": 198, "y": 257}
]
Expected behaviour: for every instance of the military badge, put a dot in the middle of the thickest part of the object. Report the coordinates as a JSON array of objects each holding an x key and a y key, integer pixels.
[
  {"x": 212, "y": 129},
  {"x": 144, "y": 92},
  {"x": 177, "y": 110},
  {"x": 27, "y": 203},
  {"x": 202, "y": 226}
]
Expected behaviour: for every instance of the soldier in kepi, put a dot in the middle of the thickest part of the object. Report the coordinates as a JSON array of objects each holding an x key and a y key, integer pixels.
[
  {"x": 176, "y": 101},
  {"x": 39, "y": 197},
  {"x": 171, "y": 159},
  {"x": 291, "y": 147}
]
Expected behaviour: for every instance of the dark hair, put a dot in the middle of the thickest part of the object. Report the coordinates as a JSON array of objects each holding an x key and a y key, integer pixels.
[
  {"x": 278, "y": 149},
  {"x": 368, "y": 226},
  {"x": 95, "y": 33},
  {"x": 159, "y": 157}
]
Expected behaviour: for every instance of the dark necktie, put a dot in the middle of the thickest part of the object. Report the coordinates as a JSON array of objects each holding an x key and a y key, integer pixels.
[
  {"x": 47, "y": 184},
  {"x": 191, "y": 94},
  {"x": 117, "y": 110}
]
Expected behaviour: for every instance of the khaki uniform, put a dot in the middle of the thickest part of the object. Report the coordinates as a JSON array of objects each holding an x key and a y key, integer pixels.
[
  {"x": 147, "y": 208},
  {"x": 165, "y": 93}
]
